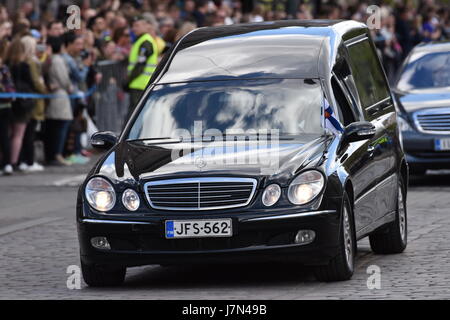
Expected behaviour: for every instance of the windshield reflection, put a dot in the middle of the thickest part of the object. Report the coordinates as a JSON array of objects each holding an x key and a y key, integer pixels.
[{"x": 290, "y": 106}]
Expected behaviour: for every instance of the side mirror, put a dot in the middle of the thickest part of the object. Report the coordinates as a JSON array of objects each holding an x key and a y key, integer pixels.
[
  {"x": 358, "y": 131},
  {"x": 103, "y": 140}
]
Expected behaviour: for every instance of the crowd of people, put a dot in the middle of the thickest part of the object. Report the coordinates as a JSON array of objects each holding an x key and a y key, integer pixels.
[{"x": 42, "y": 56}]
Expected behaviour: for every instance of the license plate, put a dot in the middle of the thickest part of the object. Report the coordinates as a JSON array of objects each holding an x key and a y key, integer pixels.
[
  {"x": 442, "y": 144},
  {"x": 198, "y": 228}
]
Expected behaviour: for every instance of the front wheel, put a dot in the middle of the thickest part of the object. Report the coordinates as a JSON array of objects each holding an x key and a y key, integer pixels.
[
  {"x": 102, "y": 276},
  {"x": 394, "y": 238},
  {"x": 342, "y": 266}
]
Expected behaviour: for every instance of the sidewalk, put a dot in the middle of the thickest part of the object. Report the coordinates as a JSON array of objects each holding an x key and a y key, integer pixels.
[{"x": 51, "y": 176}]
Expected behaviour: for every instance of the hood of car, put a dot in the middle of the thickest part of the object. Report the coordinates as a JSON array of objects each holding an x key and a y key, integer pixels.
[
  {"x": 424, "y": 99},
  {"x": 275, "y": 160}
]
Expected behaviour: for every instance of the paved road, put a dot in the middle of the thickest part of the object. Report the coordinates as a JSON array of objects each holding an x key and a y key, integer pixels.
[{"x": 38, "y": 242}]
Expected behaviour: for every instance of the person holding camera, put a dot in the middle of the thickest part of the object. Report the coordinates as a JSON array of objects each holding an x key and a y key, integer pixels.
[{"x": 78, "y": 61}]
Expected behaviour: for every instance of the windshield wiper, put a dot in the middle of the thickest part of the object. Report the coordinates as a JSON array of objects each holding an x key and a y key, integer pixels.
[
  {"x": 225, "y": 137},
  {"x": 152, "y": 140}
]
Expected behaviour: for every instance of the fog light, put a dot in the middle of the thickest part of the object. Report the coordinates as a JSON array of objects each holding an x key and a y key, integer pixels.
[
  {"x": 100, "y": 243},
  {"x": 304, "y": 236}
]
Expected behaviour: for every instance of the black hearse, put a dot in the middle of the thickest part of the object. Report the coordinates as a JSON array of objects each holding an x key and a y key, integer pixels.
[{"x": 275, "y": 140}]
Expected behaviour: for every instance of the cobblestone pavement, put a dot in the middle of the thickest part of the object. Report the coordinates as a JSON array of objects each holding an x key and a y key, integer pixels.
[{"x": 38, "y": 242}]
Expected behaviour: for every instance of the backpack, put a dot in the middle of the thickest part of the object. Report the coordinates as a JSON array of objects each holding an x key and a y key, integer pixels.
[{"x": 6, "y": 83}]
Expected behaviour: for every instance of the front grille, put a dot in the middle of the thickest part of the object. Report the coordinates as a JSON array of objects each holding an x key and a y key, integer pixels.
[
  {"x": 206, "y": 193},
  {"x": 433, "y": 120}
]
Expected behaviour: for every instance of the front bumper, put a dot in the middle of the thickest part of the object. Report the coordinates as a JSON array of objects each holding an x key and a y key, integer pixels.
[
  {"x": 269, "y": 237},
  {"x": 420, "y": 151}
]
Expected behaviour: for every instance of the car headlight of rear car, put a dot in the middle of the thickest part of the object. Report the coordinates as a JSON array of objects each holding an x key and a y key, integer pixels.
[
  {"x": 403, "y": 124},
  {"x": 305, "y": 187},
  {"x": 271, "y": 194},
  {"x": 100, "y": 194},
  {"x": 130, "y": 200}
]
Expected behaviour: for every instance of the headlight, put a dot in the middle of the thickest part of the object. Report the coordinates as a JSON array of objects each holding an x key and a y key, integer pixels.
[
  {"x": 130, "y": 199},
  {"x": 271, "y": 195},
  {"x": 403, "y": 124},
  {"x": 100, "y": 194},
  {"x": 305, "y": 187}
]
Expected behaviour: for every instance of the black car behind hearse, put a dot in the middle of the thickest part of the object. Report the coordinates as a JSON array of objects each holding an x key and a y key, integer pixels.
[
  {"x": 423, "y": 96},
  {"x": 253, "y": 142}
]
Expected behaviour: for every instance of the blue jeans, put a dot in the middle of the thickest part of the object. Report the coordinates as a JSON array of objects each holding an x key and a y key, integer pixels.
[{"x": 55, "y": 137}]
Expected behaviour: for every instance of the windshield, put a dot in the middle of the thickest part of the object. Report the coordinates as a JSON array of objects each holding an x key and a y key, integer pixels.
[
  {"x": 291, "y": 106},
  {"x": 426, "y": 71}
]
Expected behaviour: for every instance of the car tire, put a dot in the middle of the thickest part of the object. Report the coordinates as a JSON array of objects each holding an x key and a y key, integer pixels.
[
  {"x": 341, "y": 267},
  {"x": 102, "y": 276},
  {"x": 393, "y": 238}
]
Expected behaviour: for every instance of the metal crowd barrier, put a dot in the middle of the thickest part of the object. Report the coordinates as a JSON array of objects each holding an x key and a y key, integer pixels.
[{"x": 111, "y": 102}]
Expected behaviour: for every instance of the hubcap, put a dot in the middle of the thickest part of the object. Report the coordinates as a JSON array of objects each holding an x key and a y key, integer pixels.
[
  {"x": 348, "y": 241},
  {"x": 401, "y": 215}
]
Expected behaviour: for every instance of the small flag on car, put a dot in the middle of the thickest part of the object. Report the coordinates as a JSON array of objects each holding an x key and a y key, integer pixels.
[{"x": 331, "y": 122}]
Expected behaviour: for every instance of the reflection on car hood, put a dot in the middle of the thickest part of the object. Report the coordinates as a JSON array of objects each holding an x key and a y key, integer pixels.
[
  {"x": 423, "y": 99},
  {"x": 280, "y": 160}
]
